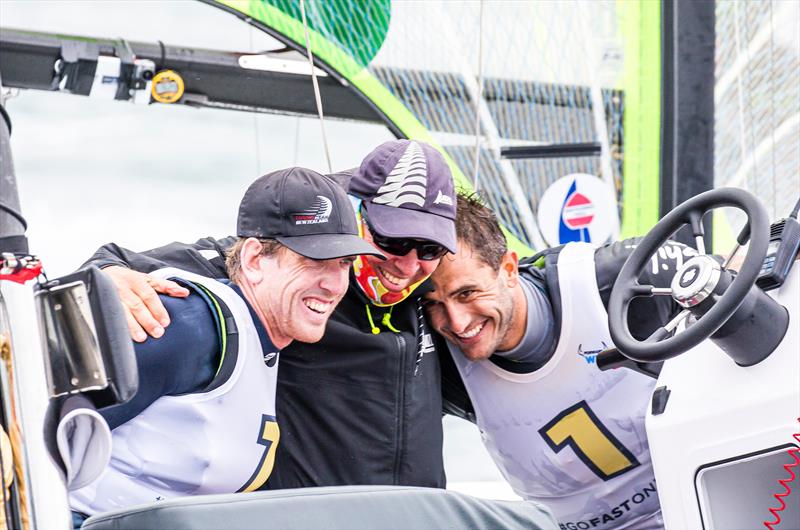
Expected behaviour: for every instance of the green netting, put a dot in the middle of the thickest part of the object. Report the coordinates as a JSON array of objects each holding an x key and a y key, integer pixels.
[
  {"x": 551, "y": 73},
  {"x": 358, "y": 27}
]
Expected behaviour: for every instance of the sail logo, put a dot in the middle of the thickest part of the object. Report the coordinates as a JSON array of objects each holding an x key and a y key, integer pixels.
[
  {"x": 577, "y": 213},
  {"x": 578, "y": 207},
  {"x": 319, "y": 212},
  {"x": 407, "y": 182},
  {"x": 590, "y": 356}
]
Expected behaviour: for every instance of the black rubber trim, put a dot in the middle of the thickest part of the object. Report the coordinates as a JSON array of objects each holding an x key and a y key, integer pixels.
[
  {"x": 667, "y": 194},
  {"x": 6, "y": 118},
  {"x": 551, "y": 151}
]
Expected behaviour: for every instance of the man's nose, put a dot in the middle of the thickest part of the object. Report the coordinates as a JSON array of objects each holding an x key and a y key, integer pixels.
[
  {"x": 458, "y": 319},
  {"x": 408, "y": 264},
  {"x": 334, "y": 279}
]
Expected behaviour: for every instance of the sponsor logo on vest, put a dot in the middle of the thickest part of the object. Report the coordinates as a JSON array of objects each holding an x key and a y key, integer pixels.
[
  {"x": 626, "y": 510},
  {"x": 319, "y": 212},
  {"x": 441, "y": 198},
  {"x": 270, "y": 358},
  {"x": 591, "y": 355},
  {"x": 407, "y": 183}
]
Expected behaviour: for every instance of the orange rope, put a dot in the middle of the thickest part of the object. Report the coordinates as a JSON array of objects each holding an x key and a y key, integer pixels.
[{"x": 15, "y": 435}]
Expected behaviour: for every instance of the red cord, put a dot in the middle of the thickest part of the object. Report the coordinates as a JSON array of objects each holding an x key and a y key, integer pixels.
[
  {"x": 19, "y": 268},
  {"x": 794, "y": 452}
]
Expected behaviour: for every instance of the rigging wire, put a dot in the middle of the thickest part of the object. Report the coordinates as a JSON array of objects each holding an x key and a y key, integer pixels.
[
  {"x": 296, "y": 140},
  {"x": 314, "y": 81},
  {"x": 478, "y": 100},
  {"x": 255, "y": 121}
]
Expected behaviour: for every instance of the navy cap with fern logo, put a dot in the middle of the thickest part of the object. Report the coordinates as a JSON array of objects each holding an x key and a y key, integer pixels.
[
  {"x": 407, "y": 189},
  {"x": 305, "y": 211}
]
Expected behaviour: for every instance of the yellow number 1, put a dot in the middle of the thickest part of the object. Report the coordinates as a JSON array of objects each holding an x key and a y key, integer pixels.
[
  {"x": 268, "y": 435},
  {"x": 579, "y": 428}
]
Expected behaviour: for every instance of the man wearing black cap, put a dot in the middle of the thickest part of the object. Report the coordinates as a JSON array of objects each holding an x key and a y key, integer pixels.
[
  {"x": 203, "y": 420},
  {"x": 363, "y": 405}
]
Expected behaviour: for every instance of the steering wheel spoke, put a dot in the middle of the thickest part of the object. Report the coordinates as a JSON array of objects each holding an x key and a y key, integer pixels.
[
  {"x": 650, "y": 290},
  {"x": 676, "y": 320},
  {"x": 730, "y": 257},
  {"x": 665, "y": 331},
  {"x": 695, "y": 219},
  {"x": 658, "y": 335}
]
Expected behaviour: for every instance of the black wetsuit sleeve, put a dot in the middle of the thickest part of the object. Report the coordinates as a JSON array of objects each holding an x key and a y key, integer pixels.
[
  {"x": 645, "y": 314},
  {"x": 455, "y": 399},
  {"x": 206, "y": 256},
  {"x": 183, "y": 360}
]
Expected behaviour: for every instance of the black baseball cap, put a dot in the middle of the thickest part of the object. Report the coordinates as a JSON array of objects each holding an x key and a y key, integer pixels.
[
  {"x": 407, "y": 189},
  {"x": 305, "y": 211}
]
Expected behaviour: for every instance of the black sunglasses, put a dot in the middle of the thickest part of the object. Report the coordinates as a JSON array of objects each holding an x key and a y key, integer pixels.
[{"x": 426, "y": 250}]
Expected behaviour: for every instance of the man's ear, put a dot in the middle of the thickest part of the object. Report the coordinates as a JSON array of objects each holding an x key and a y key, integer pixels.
[
  {"x": 508, "y": 267},
  {"x": 250, "y": 258}
]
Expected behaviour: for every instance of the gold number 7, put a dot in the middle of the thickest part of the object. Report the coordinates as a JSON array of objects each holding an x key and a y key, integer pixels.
[
  {"x": 268, "y": 435},
  {"x": 579, "y": 428}
]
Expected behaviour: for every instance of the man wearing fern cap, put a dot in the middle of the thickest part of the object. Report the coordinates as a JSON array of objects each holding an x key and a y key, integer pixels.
[{"x": 363, "y": 405}]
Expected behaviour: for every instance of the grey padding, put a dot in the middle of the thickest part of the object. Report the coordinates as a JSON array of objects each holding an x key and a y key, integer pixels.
[{"x": 331, "y": 508}]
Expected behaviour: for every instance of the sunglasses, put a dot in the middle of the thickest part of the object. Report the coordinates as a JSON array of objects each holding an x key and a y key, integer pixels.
[{"x": 426, "y": 250}]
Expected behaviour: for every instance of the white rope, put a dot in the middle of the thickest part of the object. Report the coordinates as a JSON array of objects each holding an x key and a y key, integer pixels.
[
  {"x": 255, "y": 118},
  {"x": 478, "y": 99},
  {"x": 296, "y": 141},
  {"x": 317, "y": 96}
]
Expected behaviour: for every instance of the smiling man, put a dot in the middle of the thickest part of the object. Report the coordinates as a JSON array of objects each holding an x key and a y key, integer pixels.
[
  {"x": 363, "y": 405},
  {"x": 524, "y": 338},
  {"x": 203, "y": 419}
]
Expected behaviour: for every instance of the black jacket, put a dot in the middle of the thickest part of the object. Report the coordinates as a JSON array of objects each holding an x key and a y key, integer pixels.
[{"x": 354, "y": 408}]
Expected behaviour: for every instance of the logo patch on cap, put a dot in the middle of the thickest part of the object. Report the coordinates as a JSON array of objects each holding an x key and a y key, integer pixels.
[
  {"x": 319, "y": 212},
  {"x": 407, "y": 182},
  {"x": 441, "y": 198}
]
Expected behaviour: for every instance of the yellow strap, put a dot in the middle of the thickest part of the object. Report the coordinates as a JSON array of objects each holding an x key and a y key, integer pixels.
[
  {"x": 223, "y": 331},
  {"x": 375, "y": 329},
  {"x": 387, "y": 322}
]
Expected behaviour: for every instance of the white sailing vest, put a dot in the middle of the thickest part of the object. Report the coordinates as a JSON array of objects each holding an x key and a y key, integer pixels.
[
  {"x": 219, "y": 441},
  {"x": 569, "y": 435}
]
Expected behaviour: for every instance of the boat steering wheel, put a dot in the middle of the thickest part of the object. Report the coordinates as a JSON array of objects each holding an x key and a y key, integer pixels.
[{"x": 701, "y": 286}]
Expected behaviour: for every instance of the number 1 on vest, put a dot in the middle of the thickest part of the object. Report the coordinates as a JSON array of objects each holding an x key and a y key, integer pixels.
[
  {"x": 579, "y": 428},
  {"x": 268, "y": 435}
]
